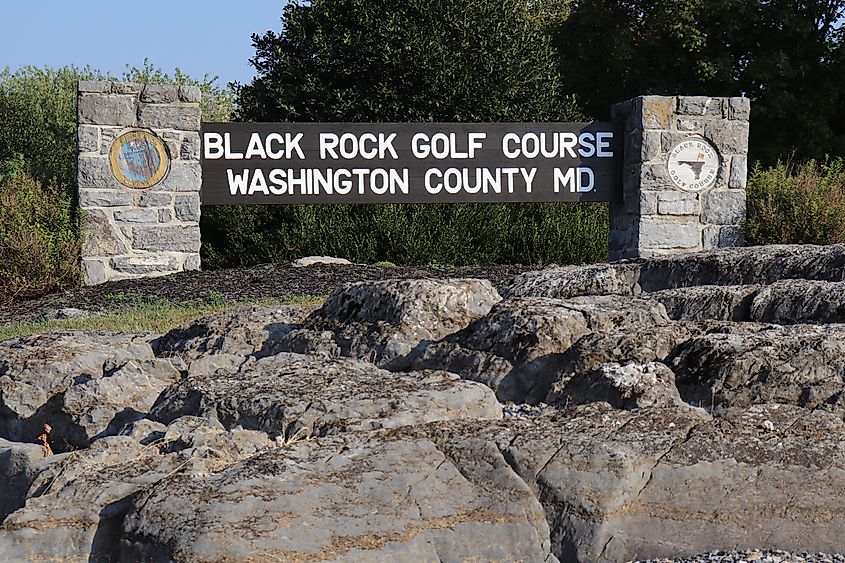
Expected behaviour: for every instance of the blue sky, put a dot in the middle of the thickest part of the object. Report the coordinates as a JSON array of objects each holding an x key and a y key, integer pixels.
[{"x": 198, "y": 37}]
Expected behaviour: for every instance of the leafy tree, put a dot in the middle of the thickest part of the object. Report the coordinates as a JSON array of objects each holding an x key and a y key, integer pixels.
[
  {"x": 548, "y": 12},
  {"x": 420, "y": 60},
  {"x": 413, "y": 61},
  {"x": 786, "y": 55}
]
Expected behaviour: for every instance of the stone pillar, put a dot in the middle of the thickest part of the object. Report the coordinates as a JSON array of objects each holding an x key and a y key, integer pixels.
[
  {"x": 139, "y": 179},
  {"x": 679, "y": 194}
]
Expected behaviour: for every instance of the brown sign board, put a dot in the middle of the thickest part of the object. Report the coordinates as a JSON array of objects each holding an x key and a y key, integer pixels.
[{"x": 288, "y": 163}]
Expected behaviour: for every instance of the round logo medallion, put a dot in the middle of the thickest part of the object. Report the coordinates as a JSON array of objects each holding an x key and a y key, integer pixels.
[
  {"x": 139, "y": 159},
  {"x": 693, "y": 164}
]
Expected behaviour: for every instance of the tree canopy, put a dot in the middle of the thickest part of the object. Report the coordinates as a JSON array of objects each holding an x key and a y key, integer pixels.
[
  {"x": 412, "y": 61},
  {"x": 419, "y": 60},
  {"x": 788, "y": 56}
]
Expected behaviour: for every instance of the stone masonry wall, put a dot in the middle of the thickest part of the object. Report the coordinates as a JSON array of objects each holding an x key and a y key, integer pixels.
[
  {"x": 656, "y": 217},
  {"x": 135, "y": 232}
]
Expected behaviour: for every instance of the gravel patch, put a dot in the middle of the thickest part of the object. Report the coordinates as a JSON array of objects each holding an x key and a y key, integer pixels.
[{"x": 754, "y": 556}]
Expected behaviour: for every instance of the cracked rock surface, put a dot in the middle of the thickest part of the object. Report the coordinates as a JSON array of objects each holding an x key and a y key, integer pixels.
[
  {"x": 348, "y": 497},
  {"x": 797, "y": 364},
  {"x": 627, "y": 386},
  {"x": 671, "y": 409},
  {"x": 293, "y": 394},
  {"x": 244, "y": 331},
  {"x": 517, "y": 348},
  {"x": 384, "y": 322},
  {"x": 84, "y": 384}
]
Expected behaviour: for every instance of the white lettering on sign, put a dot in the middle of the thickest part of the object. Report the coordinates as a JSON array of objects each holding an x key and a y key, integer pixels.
[
  {"x": 349, "y": 146},
  {"x": 314, "y": 181},
  {"x": 603, "y": 144},
  {"x": 256, "y": 147},
  {"x": 478, "y": 180},
  {"x": 579, "y": 180},
  {"x": 213, "y": 146},
  {"x": 557, "y": 145},
  {"x": 442, "y": 146},
  {"x": 273, "y": 146},
  {"x": 459, "y": 162}
]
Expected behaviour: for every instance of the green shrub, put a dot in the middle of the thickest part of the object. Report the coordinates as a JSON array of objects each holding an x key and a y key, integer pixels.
[
  {"x": 38, "y": 120},
  {"x": 417, "y": 234},
  {"x": 39, "y": 236},
  {"x": 218, "y": 102},
  {"x": 797, "y": 204},
  {"x": 39, "y": 228}
]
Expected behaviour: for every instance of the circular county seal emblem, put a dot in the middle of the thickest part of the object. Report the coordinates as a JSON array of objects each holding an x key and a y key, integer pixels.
[
  {"x": 693, "y": 164},
  {"x": 139, "y": 159}
]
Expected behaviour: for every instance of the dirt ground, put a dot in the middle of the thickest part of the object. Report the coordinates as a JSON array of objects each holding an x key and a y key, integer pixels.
[{"x": 270, "y": 281}]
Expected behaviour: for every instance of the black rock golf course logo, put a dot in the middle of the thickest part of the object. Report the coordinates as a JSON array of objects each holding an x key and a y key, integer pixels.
[
  {"x": 139, "y": 159},
  {"x": 693, "y": 164}
]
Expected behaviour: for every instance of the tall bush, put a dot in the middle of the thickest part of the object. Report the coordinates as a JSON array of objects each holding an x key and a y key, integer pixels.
[
  {"x": 39, "y": 235},
  {"x": 413, "y": 61},
  {"x": 797, "y": 204},
  {"x": 429, "y": 234},
  {"x": 38, "y": 120}
]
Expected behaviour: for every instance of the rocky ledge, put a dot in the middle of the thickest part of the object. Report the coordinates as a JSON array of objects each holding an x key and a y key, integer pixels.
[{"x": 662, "y": 409}]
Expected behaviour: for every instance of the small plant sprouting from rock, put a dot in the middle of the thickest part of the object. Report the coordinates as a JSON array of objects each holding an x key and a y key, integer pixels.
[
  {"x": 215, "y": 298},
  {"x": 44, "y": 439},
  {"x": 302, "y": 434}
]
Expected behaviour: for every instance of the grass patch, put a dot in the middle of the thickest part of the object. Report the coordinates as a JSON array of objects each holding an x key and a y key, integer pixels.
[{"x": 148, "y": 315}]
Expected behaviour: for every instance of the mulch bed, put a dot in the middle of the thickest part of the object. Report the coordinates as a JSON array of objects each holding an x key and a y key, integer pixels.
[{"x": 244, "y": 284}]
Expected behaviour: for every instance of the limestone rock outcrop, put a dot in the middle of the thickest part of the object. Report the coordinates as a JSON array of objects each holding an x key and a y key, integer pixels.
[
  {"x": 656, "y": 408},
  {"x": 799, "y": 301},
  {"x": 242, "y": 331},
  {"x": 294, "y": 395},
  {"x": 348, "y": 497},
  {"x": 708, "y": 302},
  {"x": 83, "y": 385},
  {"x": 800, "y": 365},
  {"x": 743, "y": 266},
  {"x": 383, "y": 322},
  {"x": 627, "y": 386},
  {"x": 575, "y": 281},
  {"x": 518, "y": 348},
  {"x": 673, "y": 481}
]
